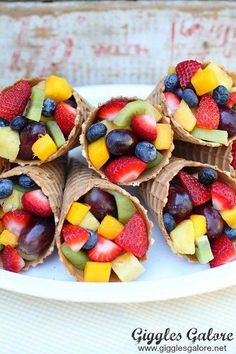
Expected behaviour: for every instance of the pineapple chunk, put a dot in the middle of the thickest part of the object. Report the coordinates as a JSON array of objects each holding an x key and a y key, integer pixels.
[
  {"x": 9, "y": 143},
  {"x": 183, "y": 237},
  {"x": 127, "y": 267},
  {"x": 13, "y": 202},
  {"x": 221, "y": 75},
  {"x": 90, "y": 222}
]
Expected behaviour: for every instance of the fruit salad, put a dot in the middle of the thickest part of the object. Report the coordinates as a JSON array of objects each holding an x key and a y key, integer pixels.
[
  {"x": 36, "y": 119},
  {"x": 202, "y": 102},
  {"x": 127, "y": 140}
]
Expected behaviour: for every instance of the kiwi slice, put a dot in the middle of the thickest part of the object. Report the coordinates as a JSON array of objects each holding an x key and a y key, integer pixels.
[
  {"x": 78, "y": 259},
  {"x": 215, "y": 136},
  {"x": 157, "y": 160},
  {"x": 36, "y": 102},
  {"x": 29, "y": 257},
  {"x": 125, "y": 206},
  {"x": 56, "y": 133},
  {"x": 203, "y": 250}
]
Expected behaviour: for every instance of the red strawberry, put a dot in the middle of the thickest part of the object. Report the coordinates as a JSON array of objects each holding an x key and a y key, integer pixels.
[
  {"x": 37, "y": 203},
  {"x": 208, "y": 114},
  {"x": 223, "y": 251},
  {"x": 75, "y": 236},
  {"x": 65, "y": 117},
  {"x": 145, "y": 127},
  {"x": 223, "y": 196},
  {"x": 185, "y": 71},
  {"x": 232, "y": 100},
  {"x": 233, "y": 163},
  {"x": 172, "y": 101},
  {"x": 16, "y": 221},
  {"x": 110, "y": 109},
  {"x": 104, "y": 251},
  {"x": 13, "y": 100},
  {"x": 199, "y": 193},
  {"x": 124, "y": 169},
  {"x": 11, "y": 260},
  {"x": 134, "y": 237}
]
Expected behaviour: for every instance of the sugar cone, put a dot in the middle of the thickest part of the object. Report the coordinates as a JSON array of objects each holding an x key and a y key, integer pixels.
[
  {"x": 51, "y": 179},
  {"x": 80, "y": 180},
  {"x": 147, "y": 174},
  {"x": 155, "y": 192}
]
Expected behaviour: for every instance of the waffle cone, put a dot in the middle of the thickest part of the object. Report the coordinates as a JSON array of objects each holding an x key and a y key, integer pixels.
[
  {"x": 51, "y": 179},
  {"x": 4, "y": 165},
  {"x": 147, "y": 174},
  {"x": 155, "y": 192},
  {"x": 80, "y": 180}
]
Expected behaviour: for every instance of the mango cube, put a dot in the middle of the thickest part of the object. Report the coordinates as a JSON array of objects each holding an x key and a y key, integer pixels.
[
  {"x": 7, "y": 238},
  {"x": 199, "y": 225},
  {"x": 44, "y": 147},
  {"x": 229, "y": 216},
  {"x": 98, "y": 153},
  {"x": 204, "y": 81},
  {"x": 222, "y": 77},
  {"x": 164, "y": 137},
  {"x": 183, "y": 237},
  {"x": 57, "y": 88},
  {"x": 127, "y": 267},
  {"x": 185, "y": 117},
  {"x": 110, "y": 227},
  {"x": 90, "y": 222},
  {"x": 77, "y": 213},
  {"x": 97, "y": 272}
]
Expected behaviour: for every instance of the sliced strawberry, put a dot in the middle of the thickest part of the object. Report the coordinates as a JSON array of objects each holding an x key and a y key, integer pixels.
[
  {"x": 208, "y": 114},
  {"x": 145, "y": 127},
  {"x": 172, "y": 101},
  {"x": 65, "y": 117},
  {"x": 110, "y": 109},
  {"x": 232, "y": 100},
  {"x": 199, "y": 193},
  {"x": 13, "y": 100},
  {"x": 233, "y": 163},
  {"x": 134, "y": 237},
  {"x": 185, "y": 71},
  {"x": 36, "y": 203},
  {"x": 124, "y": 169},
  {"x": 104, "y": 251},
  {"x": 16, "y": 221},
  {"x": 11, "y": 260},
  {"x": 75, "y": 236},
  {"x": 223, "y": 196},
  {"x": 223, "y": 251}
]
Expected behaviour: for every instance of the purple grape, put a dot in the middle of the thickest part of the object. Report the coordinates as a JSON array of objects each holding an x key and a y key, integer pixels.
[
  {"x": 102, "y": 203},
  {"x": 179, "y": 203},
  {"x": 228, "y": 120},
  {"x": 121, "y": 142},
  {"x": 215, "y": 223},
  {"x": 28, "y": 136}
]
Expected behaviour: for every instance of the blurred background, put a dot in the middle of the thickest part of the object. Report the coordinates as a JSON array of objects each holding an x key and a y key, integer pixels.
[{"x": 96, "y": 42}]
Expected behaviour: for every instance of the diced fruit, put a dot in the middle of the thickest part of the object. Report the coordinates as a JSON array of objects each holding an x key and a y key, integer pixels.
[
  {"x": 13, "y": 202},
  {"x": 109, "y": 110},
  {"x": 185, "y": 71},
  {"x": 171, "y": 82},
  {"x": 98, "y": 153},
  {"x": 12, "y": 260},
  {"x": 124, "y": 169},
  {"x": 203, "y": 250},
  {"x": 56, "y": 133},
  {"x": 28, "y": 136},
  {"x": 26, "y": 182},
  {"x": 221, "y": 95},
  {"x": 109, "y": 125},
  {"x": 144, "y": 126},
  {"x": 90, "y": 222},
  {"x": 204, "y": 81},
  {"x": 77, "y": 213},
  {"x": 157, "y": 160},
  {"x": 49, "y": 106},
  {"x": 230, "y": 233},
  {"x": 9, "y": 143},
  {"x": 104, "y": 251},
  {"x": 125, "y": 206},
  {"x": 228, "y": 120},
  {"x": 121, "y": 142},
  {"x": 57, "y": 88},
  {"x": 169, "y": 222},
  {"x": 110, "y": 227},
  {"x": 215, "y": 223},
  {"x": 164, "y": 137},
  {"x": 183, "y": 237},
  {"x": 101, "y": 202},
  {"x": 146, "y": 151},
  {"x": 179, "y": 202},
  {"x": 18, "y": 123},
  {"x": 223, "y": 196},
  {"x": 215, "y": 136},
  {"x": 92, "y": 241},
  {"x": 172, "y": 101},
  {"x": 95, "y": 132},
  {"x": 6, "y": 188},
  {"x": 222, "y": 77},
  {"x": 37, "y": 203},
  {"x": 65, "y": 116},
  {"x": 16, "y": 221},
  {"x": 232, "y": 100},
  {"x": 207, "y": 176},
  {"x": 75, "y": 236},
  {"x": 190, "y": 97},
  {"x": 199, "y": 225},
  {"x": 208, "y": 114},
  {"x": 7, "y": 238},
  {"x": 77, "y": 259},
  {"x": 229, "y": 216},
  {"x": 44, "y": 147},
  {"x": 127, "y": 267},
  {"x": 97, "y": 272},
  {"x": 36, "y": 102},
  {"x": 223, "y": 251},
  {"x": 185, "y": 117}
]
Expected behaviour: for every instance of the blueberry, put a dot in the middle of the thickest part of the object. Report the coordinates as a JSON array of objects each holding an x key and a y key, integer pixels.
[
  {"x": 96, "y": 131},
  {"x": 171, "y": 82},
  {"x": 48, "y": 107},
  {"x": 18, "y": 123},
  {"x": 26, "y": 182},
  {"x": 221, "y": 95},
  {"x": 6, "y": 188},
  {"x": 230, "y": 233},
  {"x": 190, "y": 97},
  {"x": 179, "y": 92},
  {"x": 207, "y": 176},
  {"x": 92, "y": 241},
  {"x": 146, "y": 151},
  {"x": 169, "y": 222},
  {"x": 3, "y": 122}
]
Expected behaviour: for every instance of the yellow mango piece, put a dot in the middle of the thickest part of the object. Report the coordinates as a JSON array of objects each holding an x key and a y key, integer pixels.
[
  {"x": 185, "y": 117},
  {"x": 90, "y": 222},
  {"x": 7, "y": 238},
  {"x": 229, "y": 216},
  {"x": 171, "y": 70},
  {"x": 110, "y": 227},
  {"x": 183, "y": 237},
  {"x": 199, "y": 225},
  {"x": 204, "y": 81},
  {"x": 97, "y": 272},
  {"x": 164, "y": 136},
  {"x": 44, "y": 147},
  {"x": 222, "y": 77},
  {"x": 127, "y": 267},
  {"x": 57, "y": 88},
  {"x": 98, "y": 153},
  {"x": 77, "y": 213}
]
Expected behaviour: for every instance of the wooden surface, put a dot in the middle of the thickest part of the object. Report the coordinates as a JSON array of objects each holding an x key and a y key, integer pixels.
[{"x": 112, "y": 42}]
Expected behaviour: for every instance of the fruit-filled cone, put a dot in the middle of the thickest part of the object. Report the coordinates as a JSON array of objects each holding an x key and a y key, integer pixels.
[
  {"x": 30, "y": 204},
  {"x": 104, "y": 233},
  {"x": 200, "y": 100},
  {"x": 40, "y": 120},
  {"x": 4, "y": 165},
  {"x": 195, "y": 207},
  {"x": 127, "y": 140}
]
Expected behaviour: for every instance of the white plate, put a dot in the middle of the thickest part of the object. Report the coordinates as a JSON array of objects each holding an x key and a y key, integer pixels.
[{"x": 166, "y": 276}]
